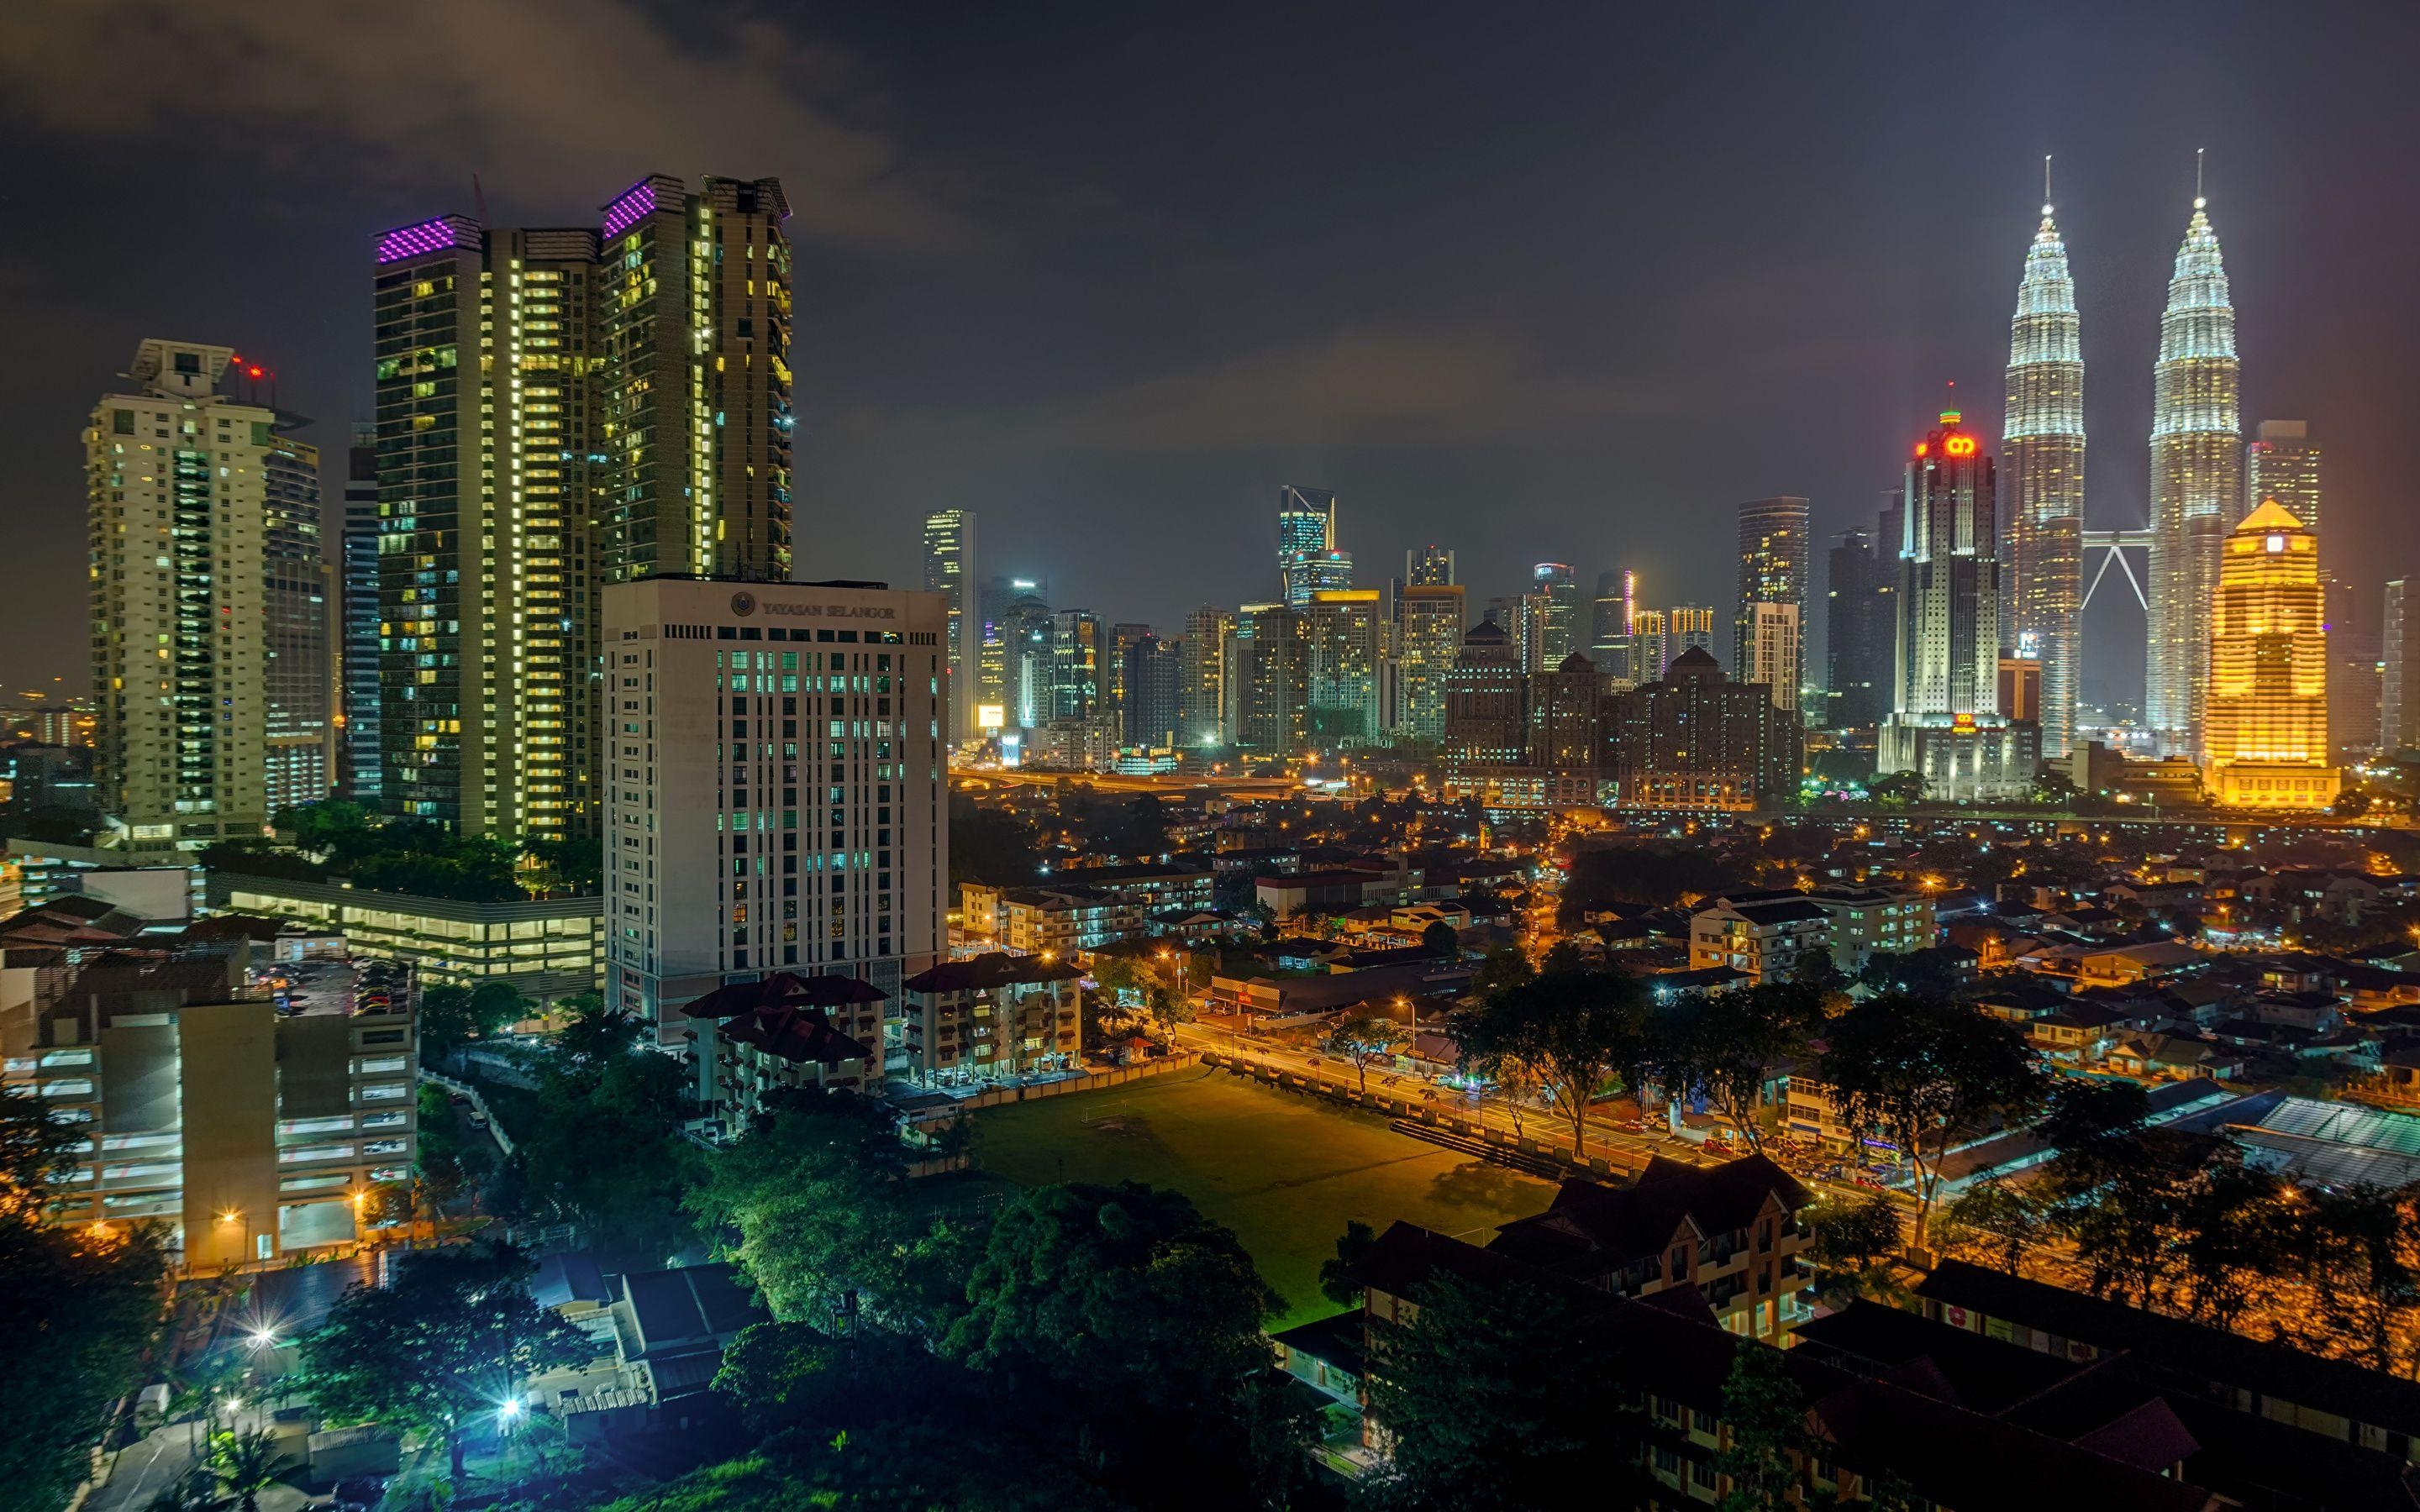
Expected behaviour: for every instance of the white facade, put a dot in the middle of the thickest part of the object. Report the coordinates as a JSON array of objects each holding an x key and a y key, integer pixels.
[
  {"x": 775, "y": 770},
  {"x": 1775, "y": 652},
  {"x": 177, "y": 478}
]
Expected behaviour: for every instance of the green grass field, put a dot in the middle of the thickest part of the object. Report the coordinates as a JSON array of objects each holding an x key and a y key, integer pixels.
[{"x": 1283, "y": 1171}]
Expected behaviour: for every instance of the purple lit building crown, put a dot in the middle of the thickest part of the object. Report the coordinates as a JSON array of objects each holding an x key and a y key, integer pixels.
[
  {"x": 638, "y": 202},
  {"x": 443, "y": 233}
]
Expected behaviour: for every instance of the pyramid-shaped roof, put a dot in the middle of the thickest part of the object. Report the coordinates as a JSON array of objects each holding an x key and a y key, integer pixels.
[{"x": 2271, "y": 515}]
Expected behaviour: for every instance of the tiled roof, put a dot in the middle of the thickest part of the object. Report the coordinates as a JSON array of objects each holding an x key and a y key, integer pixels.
[
  {"x": 997, "y": 969},
  {"x": 785, "y": 988}
]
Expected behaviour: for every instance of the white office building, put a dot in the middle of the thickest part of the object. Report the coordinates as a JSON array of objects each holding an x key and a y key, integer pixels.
[{"x": 776, "y": 760}]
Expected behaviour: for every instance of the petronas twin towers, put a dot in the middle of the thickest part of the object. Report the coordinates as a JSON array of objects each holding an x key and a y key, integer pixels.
[{"x": 2196, "y": 482}]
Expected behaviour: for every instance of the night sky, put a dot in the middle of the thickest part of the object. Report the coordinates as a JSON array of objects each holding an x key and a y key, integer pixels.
[{"x": 1534, "y": 282}]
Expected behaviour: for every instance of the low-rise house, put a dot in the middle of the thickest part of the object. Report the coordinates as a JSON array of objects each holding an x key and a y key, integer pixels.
[
  {"x": 1067, "y": 920},
  {"x": 1863, "y": 921},
  {"x": 1729, "y": 1231},
  {"x": 991, "y": 1016},
  {"x": 785, "y": 1030},
  {"x": 2168, "y": 1056},
  {"x": 1336, "y": 892},
  {"x": 659, "y": 1337},
  {"x": 1768, "y": 941}
]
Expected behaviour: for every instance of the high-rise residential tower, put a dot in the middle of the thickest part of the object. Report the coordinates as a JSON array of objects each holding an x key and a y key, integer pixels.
[
  {"x": 1946, "y": 721},
  {"x": 361, "y": 778},
  {"x": 1775, "y": 651},
  {"x": 1205, "y": 700},
  {"x": 2041, "y": 481},
  {"x": 1651, "y": 644},
  {"x": 557, "y": 409},
  {"x": 1616, "y": 600},
  {"x": 1429, "y": 566},
  {"x": 1270, "y": 672},
  {"x": 2266, "y": 732},
  {"x": 693, "y": 328},
  {"x": 2283, "y": 463},
  {"x": 486, "y": 373},
  {"x": 178, "y": 480},
  {"x": 2399, "y": 669},
  {"x": 951, "y": 570},
  {"x": 2197, "y": 483},
  {"x": 1151, "y": 683},
  {"x": 1080, "y": 657},
  {"x": 1345, "y": 665},
  {"x": 295, "y": 606},
  {"x": 1428, "y": 636},
  {"x": 1688, "y": 627},
  {"x": 1860, "y": 632},
  {"x": 1774, "y": 547}
]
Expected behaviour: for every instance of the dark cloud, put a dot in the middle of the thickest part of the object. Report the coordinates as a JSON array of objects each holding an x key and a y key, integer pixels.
[{"x": 542, "y": 95}]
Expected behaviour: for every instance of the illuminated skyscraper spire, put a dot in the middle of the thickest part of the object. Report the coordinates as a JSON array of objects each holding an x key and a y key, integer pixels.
[
  {"x": 2042, "y": 472},
  {"x": 2196, "y": 482}
]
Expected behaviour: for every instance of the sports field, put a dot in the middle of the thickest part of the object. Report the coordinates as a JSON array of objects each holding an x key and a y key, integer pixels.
[{"x": 1285, "y": 1171}]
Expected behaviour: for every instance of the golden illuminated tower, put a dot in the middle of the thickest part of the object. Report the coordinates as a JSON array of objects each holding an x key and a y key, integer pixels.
[{"x": 2267, "y": 719}]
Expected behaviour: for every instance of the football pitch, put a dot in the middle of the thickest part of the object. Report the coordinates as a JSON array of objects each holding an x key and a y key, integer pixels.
[{"x": 1284, "y": 1170}]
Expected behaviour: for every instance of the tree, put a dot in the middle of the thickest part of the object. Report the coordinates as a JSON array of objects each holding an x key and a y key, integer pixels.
[
  {"x": 815, "y": 1190},
  {"x": 593, "y": 1096},
  {"x": 1998, "y": 1217},
  {"x": 1766, "y": 1415},
  {"x": 1502, "y": 966},
  {"x": 246, "y": 1464},
  {"x": 1442, "y": 940},
  {"x": 2052, "y": 788},
  {"x": 1933, "y": 971},
  {"x": 1896, "y": 790},
  {"x": 1852, "y": 1242},
  {"x": 1141, "y": 1320},
  {"x": 1576, "y": 1028},
  {"x": 1726, "y": 1045},
  {"x": 1363, "y": 1037},
  {"x": 1336, "y": 1281},
  {"x": 78, "y": 1308},
  {"x": 1923, "y": 1074},
  {"x": 1499, "y": 1396},
  {"x": 990, "y": 845},
  {"x": 450, "y": 1339}
]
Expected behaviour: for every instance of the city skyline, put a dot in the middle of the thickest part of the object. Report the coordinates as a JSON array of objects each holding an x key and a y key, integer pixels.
[{"x": 1577, "y": 439}]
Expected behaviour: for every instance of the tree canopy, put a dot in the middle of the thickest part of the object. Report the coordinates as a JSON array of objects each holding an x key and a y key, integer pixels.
[{"x": 1571, "y": 1029}]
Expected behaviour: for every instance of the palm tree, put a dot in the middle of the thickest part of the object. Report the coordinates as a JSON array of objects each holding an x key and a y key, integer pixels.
[
  {"x": 246, "y": 1464},
  {"x": 195, "y": 1490}
]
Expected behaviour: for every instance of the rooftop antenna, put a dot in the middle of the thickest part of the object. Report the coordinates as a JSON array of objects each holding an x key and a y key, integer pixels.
[
  {"x": 2199, "y": 153},
  {"x": 2045, "y": 183}
]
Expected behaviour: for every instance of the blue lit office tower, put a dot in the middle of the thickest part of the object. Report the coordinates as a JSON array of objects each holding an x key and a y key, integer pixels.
[
  {"x": 1308, "y": 559},
  {"x": 359, "y": 598},
  {"x": 2197, "y": 483},
  {"x": 1617, "y": 601},
  {"x": 951, "y": 564},
  {"x": 2041, "y": 475},
  {"x": 1555, "y": 609}
]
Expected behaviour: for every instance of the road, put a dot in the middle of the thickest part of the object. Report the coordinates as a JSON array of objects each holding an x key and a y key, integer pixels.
[{"x": 1496, "y": 1112}]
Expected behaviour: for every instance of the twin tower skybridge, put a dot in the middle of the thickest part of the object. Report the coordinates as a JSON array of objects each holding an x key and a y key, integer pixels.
[{"x": 2113, "y": 546}]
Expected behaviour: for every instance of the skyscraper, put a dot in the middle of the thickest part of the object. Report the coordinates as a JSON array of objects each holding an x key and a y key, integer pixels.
[
  {"x": 2266, "y": 732},
  {"x": 485, "y": 377},
  {"x": 2041, "y": 477},
  {"x": 1026, "y": 628},
  {"x": 1554, "y": 600},
  {"x": 1205, "y": 700},
  {"x": 994, "y": 674},
  {"x": 1308, "y": 558},
  {"x": 1860, "y": 632},
  {"x": 1430, "y": 566},
  {"x": 1688, "y": 627},
  {"x": 1651, "y": 644},
  {"x": 2399, "y": 670},
  {"x": 1269, "y": 671},
  {"x": 2283, "y": 463},
  {"x": 1775, "y": 651},
  {"x": 1153, "y": 681},
  {"x": 952, "y": 569},
  {"x": 1079, "y": 656},
  {"x": 1429, "y": 621},
  {"x": 741, "y": 853},
  {"x": 294, "y": 604},
  {"x": 1123, "y": 637},
  {"x": 1616, "y": 600},
  {"x": 1945, "y": 722},
  {"x": 178, "y": 482},
  {"x": 1773, "y": 545},
  {"x": 558, "y": 409},
  {"x": 692, "y": 315},
  {"x": 2197, "y": 483},
  {"x": 360, "y": 599},
  {"x": 1344, "y": 631}
]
